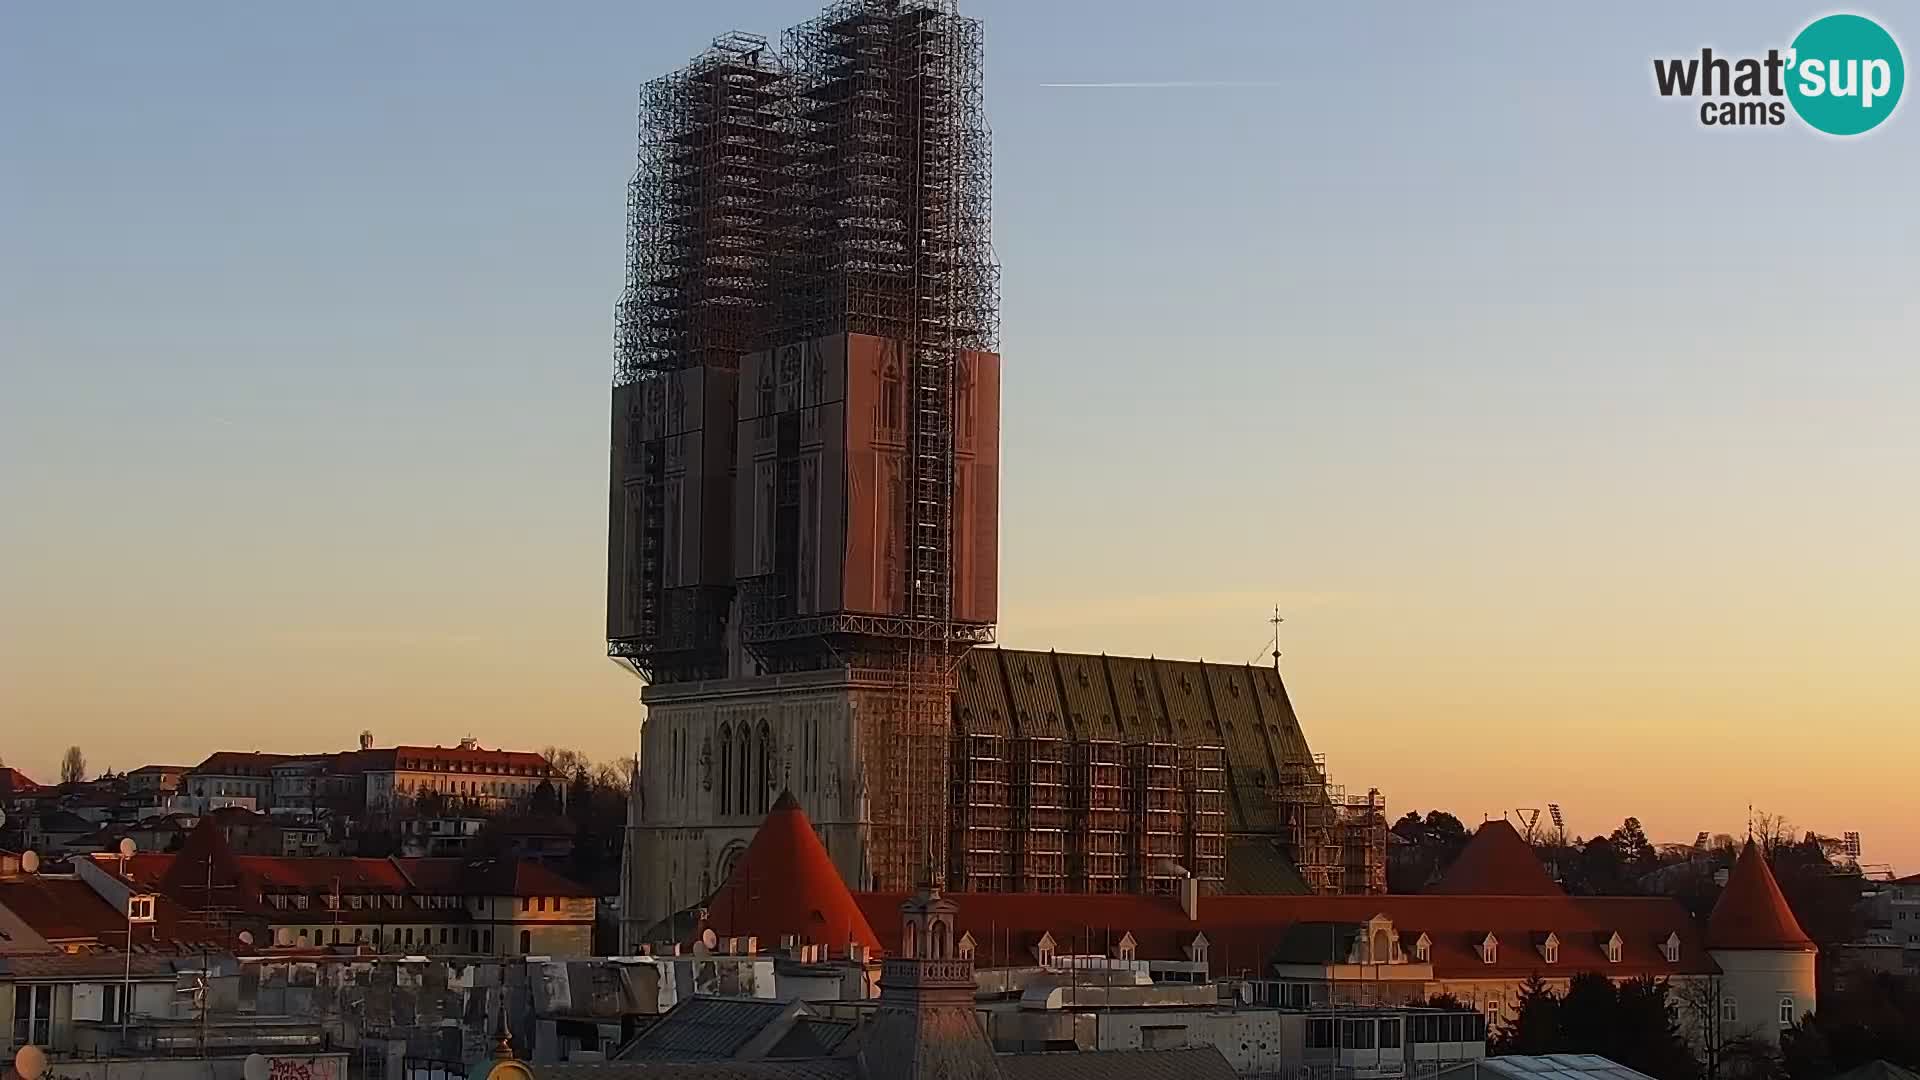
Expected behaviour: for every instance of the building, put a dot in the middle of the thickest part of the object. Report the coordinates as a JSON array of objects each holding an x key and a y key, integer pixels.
[
  {"x": 1479, "y": 937},
  {"x": 369, "y": 780},
  {"x": 467, "y": 772},
  {"x": 157, "y": 780},
  {"x": 427, "y": 906},
  {"x": 235, "y": 778},
  {"x": 804, "y": 474},
  {"x": 803, "y": 518},
  {"x": 1067, "y": 773}
]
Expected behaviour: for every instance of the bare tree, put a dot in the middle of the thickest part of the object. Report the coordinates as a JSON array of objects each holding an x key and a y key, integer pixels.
[
  {"x": 565, "y": 762},
  {"x": 1772, "y": 831},
  {"x": 73, "y": 767}
]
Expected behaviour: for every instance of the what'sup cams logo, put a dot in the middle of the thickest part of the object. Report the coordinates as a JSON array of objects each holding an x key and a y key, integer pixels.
[{"x": 1842, "y": 75}]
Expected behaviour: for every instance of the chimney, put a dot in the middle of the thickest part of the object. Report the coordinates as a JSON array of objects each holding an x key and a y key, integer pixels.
[
  {"x": 366, "y": 740},
  {"x": 1190, "y": 897}
]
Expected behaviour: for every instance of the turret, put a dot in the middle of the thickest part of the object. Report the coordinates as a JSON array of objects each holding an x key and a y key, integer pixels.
[{"x": 1766, "y": 959}]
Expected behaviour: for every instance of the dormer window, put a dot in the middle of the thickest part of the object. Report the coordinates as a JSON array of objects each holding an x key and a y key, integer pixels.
[
  {"x": 1125, "y": 949},
  {"x": 1671, "y": 948},
  {"x": 1197, "y": 949},
  {"x": 1489, "y": 950},
  {"x": 966, "y": 945},
  {"x": 1550, "y": 949},
  {"x": 1423, "y": 949},
  {"x": 1043, "y": 950},
  {"x": 1614, "y": 945}
]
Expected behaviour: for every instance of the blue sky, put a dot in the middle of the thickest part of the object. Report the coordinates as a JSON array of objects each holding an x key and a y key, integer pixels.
[{"x": 1564, "y": 428}]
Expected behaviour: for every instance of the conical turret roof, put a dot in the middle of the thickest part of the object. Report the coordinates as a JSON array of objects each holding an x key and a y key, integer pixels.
[
  {"x": 1752, "y": 913},
  {"x": 785, "y": 883},
  {"x": 1496, "y": 862}
]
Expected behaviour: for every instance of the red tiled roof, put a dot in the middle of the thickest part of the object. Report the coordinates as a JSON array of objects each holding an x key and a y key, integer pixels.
[
  {"x": 62, "y": 909},
  {"x": 241, "y": 763},
  {"x": 1243, "y": 931},
  {"x": 1496, "y": 862},
  {"x": 490, "y": 877},
  {"x": 67, "y": 909},
  {"x": 15, "y": 782},
  {"x": 785, "y": 883},
  {"x": 1751, "y": 912}
]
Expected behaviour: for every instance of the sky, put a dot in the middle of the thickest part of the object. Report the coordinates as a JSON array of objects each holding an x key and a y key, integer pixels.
[{"x": 1574, "y": 440}]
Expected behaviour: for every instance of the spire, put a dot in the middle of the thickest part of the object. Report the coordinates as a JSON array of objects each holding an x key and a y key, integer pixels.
[
  {"x": 785, "y": 883},
  {"x": 1752, "y": 913},
  {"x": 1496, "y": 862}
]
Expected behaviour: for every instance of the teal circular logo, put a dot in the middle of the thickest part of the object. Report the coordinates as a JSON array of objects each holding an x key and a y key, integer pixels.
[{"x": 1845, "y": 74}]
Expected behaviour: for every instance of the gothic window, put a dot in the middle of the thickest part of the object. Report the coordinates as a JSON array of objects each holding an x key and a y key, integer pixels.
[
  {"x": 726, "y": 772},
  {"x": 939, "y": 936},
  {"x": 766, "y": 768},
  {"x": 913, "y": 939},
  {"x": 890, "y": 398},
  {"x": 745, "y": 798}
]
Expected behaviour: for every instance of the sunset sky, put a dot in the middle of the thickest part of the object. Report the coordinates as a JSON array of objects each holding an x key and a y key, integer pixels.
[{"x": 1575, "y": 441}]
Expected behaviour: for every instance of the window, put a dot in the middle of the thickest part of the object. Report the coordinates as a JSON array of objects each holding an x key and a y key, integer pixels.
[
  {"x": 32, "y": 1015},
  {"x": 336, "y": 935},
  {"x": 1786, "y": 1012},
  {"x": 765, "y": 758},
  {"x": 1671, "y": 948},
  {"x": 1613, "y": 949},
  {"x": 1423, "y": 950},
  {"x": 1729, "y": 1011},
  {"x": 1550, "y": 949},
  {"x": 409, "y": 935},
  {"x": 486, "y": 941},
  {"x": 110, "y": 1003},
  {"x": 526, "y": 903},
  {"x": 526, "y": 941},
  {"x": 1390, "y": 1034},
  {"x": 1357, "y": 1034},
  {"x": 446, "y": 934},
  {"x": 745, "y": 765},
  {"x": 1493, "y": 1013},
  {"x": 1489, "y": 950},
  {"x": 726, "y": 772},
  {"x": 543, "y": 903},
  {"x": 1320, "y": 1031}
]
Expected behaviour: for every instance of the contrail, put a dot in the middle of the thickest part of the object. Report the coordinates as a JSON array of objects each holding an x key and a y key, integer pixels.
[{"x": 1197, "y": 84}]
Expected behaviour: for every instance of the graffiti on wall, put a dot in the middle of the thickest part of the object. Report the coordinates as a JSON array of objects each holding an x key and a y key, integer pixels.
[{"x": 295, "y": 1068}]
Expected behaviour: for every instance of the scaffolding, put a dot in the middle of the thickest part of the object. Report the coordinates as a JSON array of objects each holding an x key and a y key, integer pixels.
[
  {"x": 703, "y": 230},
  {"x": 1337, "y": 842},
  {"x": 840, "y": 184},
  {"x": 1099, "y": 778}
]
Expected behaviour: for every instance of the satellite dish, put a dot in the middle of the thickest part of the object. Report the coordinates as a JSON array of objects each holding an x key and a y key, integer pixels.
[
  {"x": 128, "y": 847},
  {"x": 1246, "y": 993},
  {"x": 30, "y": 863},
  {"x": 708, "y": 938},
  {"x": 246, "y": 938},
  {"x": 254, "y": 1068},
  {"x": 30, "y": 1062},
  {"x": 283, "y": 937}
]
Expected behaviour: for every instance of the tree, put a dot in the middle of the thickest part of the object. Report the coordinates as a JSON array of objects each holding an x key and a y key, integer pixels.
[
  {"x": 1630, "y": 841},
  {"x": 73, "y": 767},
  {"x": 1535, "y": 1028},
  {"x": 1647, "y": 1032},
  {"x": 565, "y": 762}
]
